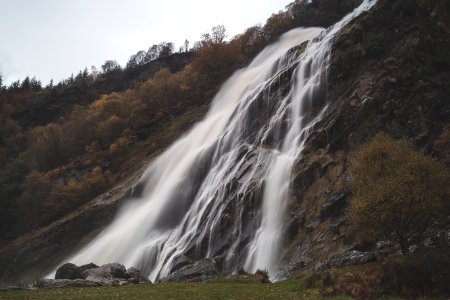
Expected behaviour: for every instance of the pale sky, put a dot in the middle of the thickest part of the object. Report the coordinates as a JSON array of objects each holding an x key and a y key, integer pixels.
[{"x": 54, "y": 38}]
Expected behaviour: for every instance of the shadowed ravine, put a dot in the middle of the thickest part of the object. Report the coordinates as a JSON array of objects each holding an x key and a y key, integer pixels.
[{"x": 221, "y": 190}]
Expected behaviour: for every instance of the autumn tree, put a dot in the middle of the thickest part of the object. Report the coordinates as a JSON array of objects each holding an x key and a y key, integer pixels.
[
  {"x": 157, "y": 92},
  {"x": 216, "y": 36},
  {"x": 278, "y": 24},
  {"x": 46, "y": 147},
  {"x": 36, "y": 189},
  {"x": 251, "y": 42},
  {"x": 214, "y": 59},
  {"x": 399, "y": 194}
]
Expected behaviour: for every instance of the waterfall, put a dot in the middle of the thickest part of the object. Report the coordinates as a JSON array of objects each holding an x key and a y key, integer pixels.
[{"x": 221, "y": 190}]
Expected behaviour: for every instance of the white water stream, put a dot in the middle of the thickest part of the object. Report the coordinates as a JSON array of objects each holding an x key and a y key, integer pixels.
[{"x": 193, "y": 203}]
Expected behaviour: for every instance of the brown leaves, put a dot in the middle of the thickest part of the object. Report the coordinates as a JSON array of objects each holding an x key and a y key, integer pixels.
[{"x": 399, "y": 193}]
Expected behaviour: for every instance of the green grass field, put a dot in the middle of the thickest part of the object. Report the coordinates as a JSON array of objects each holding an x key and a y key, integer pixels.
[{"x": 238, "y": 287}]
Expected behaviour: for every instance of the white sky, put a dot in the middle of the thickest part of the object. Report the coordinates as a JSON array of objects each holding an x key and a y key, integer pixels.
[{"x": 54, "y": 38}]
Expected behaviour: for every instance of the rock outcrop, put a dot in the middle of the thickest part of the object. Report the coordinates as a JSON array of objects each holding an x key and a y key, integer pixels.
[
  {"x": 389, "y": 72},
  {"x": 70, "y": 275},
  {"x": 201, "y": 270}
]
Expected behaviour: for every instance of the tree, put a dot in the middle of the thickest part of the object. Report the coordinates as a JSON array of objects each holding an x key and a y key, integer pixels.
[
  {"x": 214, "y": 58},
  {"x": 216, "y": 36},
  {"x": 152, "y": 53},
  {"x": 35, "y": 84},
  {"x": 94, "y": 72},
  {"x": 14, "y": 86},
  {"x": 50, "y": 85},
  {"x": 36, "y": 189},
  {"x": 85, "y": 72},
  {"x": 137, "y": 59},
  {"x": 399, "y": 194},
  {"x": 252, "y": 41},
  {"x": 45, "y": 146},
  {"x": 165, "y": 49},
  {"x": 25, "y": 83},
  {"x": 278, "y": 24},
  {"x": 110, "y": 65}
]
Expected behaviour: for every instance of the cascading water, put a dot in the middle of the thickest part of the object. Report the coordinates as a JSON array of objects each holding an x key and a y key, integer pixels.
[{"x": 201, "y": 197}]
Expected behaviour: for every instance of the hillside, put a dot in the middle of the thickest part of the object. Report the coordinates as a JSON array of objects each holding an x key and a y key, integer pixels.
[
  {"x": 74, "y": 162},
  {"x": 62, "y": 145}
]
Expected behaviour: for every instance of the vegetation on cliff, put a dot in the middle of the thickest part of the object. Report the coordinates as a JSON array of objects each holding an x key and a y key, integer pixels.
[{"x": 399, "y": 194}]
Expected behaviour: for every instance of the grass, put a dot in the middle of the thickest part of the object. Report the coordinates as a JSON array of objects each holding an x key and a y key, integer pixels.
[
  {"x": 236, "y": 287},
  {"x": 353, "y": 282}
]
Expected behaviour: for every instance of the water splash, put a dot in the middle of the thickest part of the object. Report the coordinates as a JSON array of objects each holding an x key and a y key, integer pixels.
[{"x": 202, "y": 196}]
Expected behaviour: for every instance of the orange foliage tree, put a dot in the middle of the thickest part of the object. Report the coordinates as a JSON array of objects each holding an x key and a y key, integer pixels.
[{"x": 398, "y": 193}]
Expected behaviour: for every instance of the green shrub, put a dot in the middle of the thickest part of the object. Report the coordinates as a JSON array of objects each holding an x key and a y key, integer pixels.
[
  {"x": 399, "y": 194},
  {"x": 424, "y": 273}
]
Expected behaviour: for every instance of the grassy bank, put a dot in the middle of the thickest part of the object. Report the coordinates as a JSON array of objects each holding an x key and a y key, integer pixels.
[
  {"x": 225, "y": 289},
  {"x": 369, "y": 281}
]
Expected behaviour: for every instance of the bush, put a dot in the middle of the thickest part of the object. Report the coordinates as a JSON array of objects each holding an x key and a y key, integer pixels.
[
  {"x": 399, "y": 194},
  {"x": 424, "y": 273}
]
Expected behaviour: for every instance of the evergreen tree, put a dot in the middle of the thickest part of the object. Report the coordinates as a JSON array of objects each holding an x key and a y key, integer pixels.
[{"x": 1, "y": 82}]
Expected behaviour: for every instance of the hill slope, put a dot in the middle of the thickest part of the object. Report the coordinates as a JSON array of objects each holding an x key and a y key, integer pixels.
[{"x": 389, "y": 72}]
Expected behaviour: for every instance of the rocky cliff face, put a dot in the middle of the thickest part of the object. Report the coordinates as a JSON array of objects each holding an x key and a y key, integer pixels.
[{"x": 390, "y": 71}]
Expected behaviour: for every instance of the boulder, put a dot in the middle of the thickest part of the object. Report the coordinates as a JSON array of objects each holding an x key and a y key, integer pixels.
[
  {"x": 68, "y": 271},
  {"x": 70, "y": 275},
  {"x": 201, "y": 270},
  {"x": 88, "y": 266},
  {"x": 109, "y": 274},
  {"x": 136, "y": 276},
  {"x": 114, "y": 270}
]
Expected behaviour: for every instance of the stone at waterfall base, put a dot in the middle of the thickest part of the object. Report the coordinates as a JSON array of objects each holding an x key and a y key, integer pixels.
[
  {"x": 91, "y": 275},
  {"x": 201, "y": 270}
]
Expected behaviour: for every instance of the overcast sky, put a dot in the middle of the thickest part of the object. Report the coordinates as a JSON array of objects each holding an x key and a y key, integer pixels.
[{"x": 54, "y": 38}]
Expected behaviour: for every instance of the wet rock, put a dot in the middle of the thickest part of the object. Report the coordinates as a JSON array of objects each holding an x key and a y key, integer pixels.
[
  {"x": 69, "y": 271},
  {"x": 109, "y": 274},
  {"x": 88, "y": 266},
  {"x": 350, "y": 258},
  {"x": 70, "y": 275},
  {"x": 201, "y": 270},
  {"x": 333, "y": 205},
  {"x": 135, "y": 276}
]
